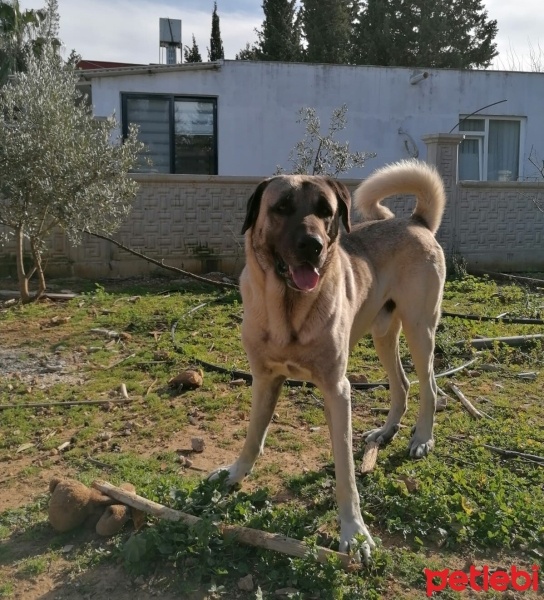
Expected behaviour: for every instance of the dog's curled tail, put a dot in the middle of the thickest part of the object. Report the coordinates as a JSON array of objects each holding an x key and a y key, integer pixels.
[{"x": 404, "y": 177}]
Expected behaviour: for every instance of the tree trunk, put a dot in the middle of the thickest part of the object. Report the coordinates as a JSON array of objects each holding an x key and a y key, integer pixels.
[
  {"x": 38, "y": 266},
  {"x": 21, "y": 274}
]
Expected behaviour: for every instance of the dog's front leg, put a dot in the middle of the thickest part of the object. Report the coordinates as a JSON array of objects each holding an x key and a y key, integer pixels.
[
  {"x": 338, "y": 414},
  {"x": 265, "y": 392}
]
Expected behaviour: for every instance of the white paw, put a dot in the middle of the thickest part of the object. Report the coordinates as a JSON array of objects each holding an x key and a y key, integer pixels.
[
  {"x": 236, "y": 473},
  {"x": 382, "y": 435},
  {"x": 349, "y": 530},
  {"x": 420, "y": 445}
]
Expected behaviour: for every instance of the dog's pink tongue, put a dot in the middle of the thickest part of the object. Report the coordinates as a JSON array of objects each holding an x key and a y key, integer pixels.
[{"x": 305, "y": 277}]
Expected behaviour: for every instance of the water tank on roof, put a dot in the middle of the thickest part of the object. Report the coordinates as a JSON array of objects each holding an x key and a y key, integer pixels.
[{"x": 170, "y": 38}]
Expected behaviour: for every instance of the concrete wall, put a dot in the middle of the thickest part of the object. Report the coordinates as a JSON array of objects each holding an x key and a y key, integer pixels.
[
  {"x": 258, "y": 104},
  {"x": 194, "y": 223}
]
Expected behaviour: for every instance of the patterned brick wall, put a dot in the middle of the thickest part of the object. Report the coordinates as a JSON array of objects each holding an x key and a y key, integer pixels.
[
  {"x": 500, "y": 226},
  {"x": 194, "y": 222}
]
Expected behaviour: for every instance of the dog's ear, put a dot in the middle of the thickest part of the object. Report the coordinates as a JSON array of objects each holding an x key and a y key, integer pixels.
[
  {"x": 253, "y": 206},
  {"x": 344, "y": 200}
]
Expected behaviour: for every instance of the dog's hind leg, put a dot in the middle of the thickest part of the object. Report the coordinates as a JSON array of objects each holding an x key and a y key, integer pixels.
[
  {"x": 387, "y": 348},
  {"x": 420, "y": 338},
  {"x": 265, "y": 392}
]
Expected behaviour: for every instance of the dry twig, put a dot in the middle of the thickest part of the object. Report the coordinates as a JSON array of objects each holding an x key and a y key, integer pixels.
[
  {"x": 465, "y": 402},
  {"x": 160, "y": 263},
  {"x": 514, "y": 454},
  {"x": 65, "y": 403},
  {"x": 369, "y": 457},
  {"x": 245, "y": 535}
]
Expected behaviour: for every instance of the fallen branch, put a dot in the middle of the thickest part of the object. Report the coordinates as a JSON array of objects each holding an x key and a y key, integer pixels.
[
  {"x": 369, "y": 457},
  {"x": 118, "y": 362},
  {"x": 100, "y": 464},
  {"x": 519, "y": 340},
  {"x": 66, "y": 403},
  {"x": 12, "y": 294},
  {"x": 245, "y": 535},
  {"x": 500, "y": 318},
  {"x": 465, "y": 402},
  {"x": 160, "y": 263},
  {"x": 529, "y": 281},
  {"x": 515, "y": 454}
]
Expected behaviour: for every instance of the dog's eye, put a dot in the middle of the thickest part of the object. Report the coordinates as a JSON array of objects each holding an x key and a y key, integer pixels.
[
  {"x": 323, "y": 209},
  {"x": 283, "y": 208}
]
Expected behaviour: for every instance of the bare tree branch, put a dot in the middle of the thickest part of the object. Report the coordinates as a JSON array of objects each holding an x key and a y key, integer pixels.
[{"x": 161, "y": 263}]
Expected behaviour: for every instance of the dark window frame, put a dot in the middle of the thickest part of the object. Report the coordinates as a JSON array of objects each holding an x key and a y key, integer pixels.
[{"x": 125, "y": 96}]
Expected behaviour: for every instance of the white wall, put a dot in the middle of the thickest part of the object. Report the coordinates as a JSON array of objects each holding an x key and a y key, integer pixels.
[{"x": 258, "y": 104}]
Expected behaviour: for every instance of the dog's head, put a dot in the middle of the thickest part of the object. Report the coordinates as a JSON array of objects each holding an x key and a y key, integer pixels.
[{"x": 294, "y": 222}]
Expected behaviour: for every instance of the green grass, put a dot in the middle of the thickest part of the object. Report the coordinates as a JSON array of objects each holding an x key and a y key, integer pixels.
[
  {"x": 6, "y": 590},
  {"x": 32, "y": 567},
  {"x": 461, "y": 501}
]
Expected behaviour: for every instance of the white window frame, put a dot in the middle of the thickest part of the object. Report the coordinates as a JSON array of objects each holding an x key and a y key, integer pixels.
[{"x": 483, "y": 139}]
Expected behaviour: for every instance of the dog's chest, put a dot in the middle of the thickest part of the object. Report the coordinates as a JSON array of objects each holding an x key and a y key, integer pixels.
[
  {"x": 291, "y": 359},
  {"x": 291, "y": 369}
]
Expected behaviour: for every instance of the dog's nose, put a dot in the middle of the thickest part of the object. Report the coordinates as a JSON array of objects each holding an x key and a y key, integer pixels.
[{"x": 310, "y": 246}]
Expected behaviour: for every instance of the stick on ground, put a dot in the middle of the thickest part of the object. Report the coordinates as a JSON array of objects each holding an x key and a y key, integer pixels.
[
  {"x": 514, "y": 454},
  {"x": 245, "y": 535},
  {"x": 465, "y": 402},
  {"x": 64, "y": 403},
  {"x": 369, "y": 457}
]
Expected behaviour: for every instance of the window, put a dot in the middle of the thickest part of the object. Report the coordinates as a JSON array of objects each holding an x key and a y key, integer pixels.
[
  {"x": 491, "y": 149},
  {"x": 180, "y": 132}
]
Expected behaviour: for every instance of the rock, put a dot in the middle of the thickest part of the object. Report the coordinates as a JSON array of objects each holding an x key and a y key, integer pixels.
[
  {"x": 441, "y": 403},
  {"x": 188, "y": 379},
  {"x": 246, "y": 583},
  {"x": 238, "y": 382},
  {"x": 288, "y": 591},
  {"x": 357, "y": 378},
  {"x": 198, "y": 444}
]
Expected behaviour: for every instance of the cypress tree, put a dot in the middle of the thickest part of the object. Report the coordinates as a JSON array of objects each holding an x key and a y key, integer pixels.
[
  {"x": 215, "y": 51},
  {"x": 425, "y": 33},
  {"x": 327, "y": 25},
  {"x": 192, "y": 54},
  {"x": 279, "y": 37}
]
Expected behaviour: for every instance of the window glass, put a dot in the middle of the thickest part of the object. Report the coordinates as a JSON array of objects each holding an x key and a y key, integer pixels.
[
  {"x": 503, "y": 151},
  {"x": 179, "y": 132},
  {"x": 472, "y": 125},
  {"x": 470, "y": 160},
  {"x": 152, "y": 115},
  {"x": 194, "y": 136},
  {"x": 490, "y": 150}
]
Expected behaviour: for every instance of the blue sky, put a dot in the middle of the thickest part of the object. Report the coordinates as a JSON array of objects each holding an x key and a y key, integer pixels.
[{"x": 128, "y": 30}]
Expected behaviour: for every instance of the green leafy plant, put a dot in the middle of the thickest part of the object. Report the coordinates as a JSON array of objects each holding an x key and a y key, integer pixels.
[
  {"x": 58, "y": 167},
  {"x": 319, "y": 153}
]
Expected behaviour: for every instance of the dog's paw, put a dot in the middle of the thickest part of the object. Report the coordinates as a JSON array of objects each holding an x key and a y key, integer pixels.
[
  {"x": 234, "y": 473},
  {"x": 382, "y": 435},
  {"x": 420, "y": 446},
  {"x": 351, "y": 534}
]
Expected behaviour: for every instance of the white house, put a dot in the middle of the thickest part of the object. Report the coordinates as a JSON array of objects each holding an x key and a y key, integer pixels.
[
  {"x": 240, "y": 117},
  {"x": 214, "y": 130}
]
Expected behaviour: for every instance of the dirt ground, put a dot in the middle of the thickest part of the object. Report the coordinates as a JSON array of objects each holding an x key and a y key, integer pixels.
[{"x": 25, "y": 478}]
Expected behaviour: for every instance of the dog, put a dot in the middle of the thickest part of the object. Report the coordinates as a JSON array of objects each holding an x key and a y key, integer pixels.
[{"x": 311, "y": 291}]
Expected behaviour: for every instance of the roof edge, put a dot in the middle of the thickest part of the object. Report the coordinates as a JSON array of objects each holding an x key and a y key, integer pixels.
[{"x": 148, "y": 69}]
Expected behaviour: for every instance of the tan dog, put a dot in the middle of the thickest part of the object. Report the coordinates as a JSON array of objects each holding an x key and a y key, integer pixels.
[{"x": 310, "y": 293}]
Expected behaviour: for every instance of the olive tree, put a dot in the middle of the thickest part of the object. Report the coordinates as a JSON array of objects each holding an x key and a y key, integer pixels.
[
  {"x": 319, "y": 152},
  {"x": 59, "y": 166}
]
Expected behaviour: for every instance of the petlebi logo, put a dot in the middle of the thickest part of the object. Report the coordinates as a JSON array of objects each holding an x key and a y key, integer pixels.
[{"x": 482, "y": 580}]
